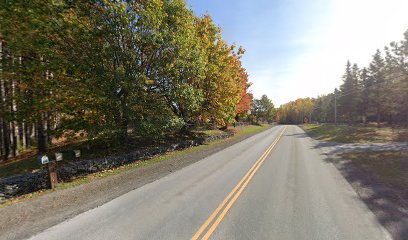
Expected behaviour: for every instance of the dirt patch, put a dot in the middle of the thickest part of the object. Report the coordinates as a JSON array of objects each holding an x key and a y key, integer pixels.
[{"x": 24, "y": 219}]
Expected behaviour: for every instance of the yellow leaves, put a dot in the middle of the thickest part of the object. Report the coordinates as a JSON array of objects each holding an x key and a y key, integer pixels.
[
  {"x": 295, "y": 111},
  {"x": 149, "y": 81}
]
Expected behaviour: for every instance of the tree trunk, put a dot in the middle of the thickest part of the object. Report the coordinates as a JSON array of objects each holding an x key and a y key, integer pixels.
[
  {"x": 20, "y": 129},
  {"x": 4, "y": 124},
  {"x": 1, "y": 139},
  {"x": 49, "y": 128},
  {"x": 6, "y": 140},
  {"x": 27, "y": 134},
  {"x": 14, "y": 139},
  {"x": 13, "y": 108},
  {"x": 42, "y": 145},
  {"x": 125, "y": 118}
]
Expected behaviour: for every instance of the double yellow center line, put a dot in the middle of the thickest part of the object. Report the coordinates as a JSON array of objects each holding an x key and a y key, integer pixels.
[{"x": 233, "y": 195}]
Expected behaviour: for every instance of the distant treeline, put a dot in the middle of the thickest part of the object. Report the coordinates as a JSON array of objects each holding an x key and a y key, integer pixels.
[
  {"x": 108, "y": 68},
  {"x": 376, "y": 93}
]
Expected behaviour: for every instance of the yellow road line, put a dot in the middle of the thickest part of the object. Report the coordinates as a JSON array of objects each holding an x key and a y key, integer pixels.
[
  {"x": 239, "y": 186},
  {"x": 209, "y": 220}
]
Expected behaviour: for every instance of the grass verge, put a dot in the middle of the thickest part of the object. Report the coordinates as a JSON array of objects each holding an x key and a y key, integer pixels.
[
  {"x": 387, "y": 167},
  {"x": 357, "y": 133},
  {"x": 240, "y": 131}
]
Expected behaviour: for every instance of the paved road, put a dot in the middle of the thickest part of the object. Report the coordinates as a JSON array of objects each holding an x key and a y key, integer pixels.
[{"x": 290, "y": 193}]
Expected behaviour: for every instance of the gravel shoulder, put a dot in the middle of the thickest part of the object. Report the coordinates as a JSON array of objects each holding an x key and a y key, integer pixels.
[{"x": 26, "y": 218}]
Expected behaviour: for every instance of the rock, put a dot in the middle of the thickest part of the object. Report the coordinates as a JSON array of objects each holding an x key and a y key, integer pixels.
[
  {"x": 17, "y": 185},
  {"x": 10, "y": 189}
]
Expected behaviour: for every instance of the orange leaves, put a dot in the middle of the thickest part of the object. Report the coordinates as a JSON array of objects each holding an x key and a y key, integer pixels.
[{"x": 244, "y": 104}]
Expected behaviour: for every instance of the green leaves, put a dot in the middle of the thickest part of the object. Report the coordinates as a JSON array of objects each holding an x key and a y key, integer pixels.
[
  {"x": 110, "y": 68},
  {"x": 263, "y": 109}
]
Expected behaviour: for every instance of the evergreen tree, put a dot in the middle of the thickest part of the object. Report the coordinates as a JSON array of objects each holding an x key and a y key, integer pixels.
[
  {"x": 364, "y": 94},
  {"x": 349, "y": 93},
  {"x": 263, "y": 109},
  {"x": 376, "y": 85}
]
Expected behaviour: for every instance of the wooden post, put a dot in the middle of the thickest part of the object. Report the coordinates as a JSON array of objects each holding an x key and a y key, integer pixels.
[{"x": 52, "y": 173}]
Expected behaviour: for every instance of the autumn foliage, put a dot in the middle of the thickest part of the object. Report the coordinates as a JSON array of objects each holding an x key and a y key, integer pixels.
[
  {"x": 107, "y": 68},
  {"x": 296, "y": 112}
]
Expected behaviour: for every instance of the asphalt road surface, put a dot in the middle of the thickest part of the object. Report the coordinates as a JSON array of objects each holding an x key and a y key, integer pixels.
[{"x": 274, "y": 185}]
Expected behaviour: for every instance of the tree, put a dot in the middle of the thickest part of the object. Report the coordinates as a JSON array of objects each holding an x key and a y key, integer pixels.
[
  {"x": 374, "y": 93},
  {"x": 323, "y": 109},
  {"x": 349, "y": 93},
  {"x": 296, "y": 112},
  {"x": 244, "y": 104},
  {"x": 376, "y": 83},
  {"x": 31, "y": 65},
  {"x": 363, "y": 104},
  {"x": 180, "y": 62},
  {"x": 263, "y": 109},
  {"x": 106, "y": 69},
  {"x": 402, "y": 52},
  {"x": 225, "y": 79}
]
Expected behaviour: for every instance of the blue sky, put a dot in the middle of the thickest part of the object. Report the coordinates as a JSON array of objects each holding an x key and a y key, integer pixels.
[{"x": 298, "y": 48}]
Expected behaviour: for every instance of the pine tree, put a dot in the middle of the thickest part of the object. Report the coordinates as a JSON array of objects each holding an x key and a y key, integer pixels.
[
  {"x": 376, "y": 85},
  {"x": 364, "y": 94},
  {"x": 349, "y": 93}
]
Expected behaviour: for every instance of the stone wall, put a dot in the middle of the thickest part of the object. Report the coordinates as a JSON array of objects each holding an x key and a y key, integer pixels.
[{"x": 21, "y": 184}]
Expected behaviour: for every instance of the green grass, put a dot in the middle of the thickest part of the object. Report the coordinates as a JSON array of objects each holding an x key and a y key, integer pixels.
[
  {"x": 30, "y": 164},
  {"x": 250, "y": 129},
  {"x": 14, "y": 168},
  {"x": 388, "y": 167},
  {"x": 356, "y": 134},
  {"x": 240, "y": 131},
  {"x": 209, "y": 133}
]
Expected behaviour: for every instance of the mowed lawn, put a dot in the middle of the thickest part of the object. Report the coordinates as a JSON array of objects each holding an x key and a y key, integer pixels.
[
  {"x": 388, "y": 167},
  {"x": 356, "y": 133}
]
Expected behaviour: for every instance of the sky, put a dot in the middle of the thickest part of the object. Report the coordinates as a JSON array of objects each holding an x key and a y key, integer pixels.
[{"x": 299, "y": 48}]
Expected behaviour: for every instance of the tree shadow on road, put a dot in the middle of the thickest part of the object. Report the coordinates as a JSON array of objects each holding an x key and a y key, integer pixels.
[{"x": 298, "y": 135}]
